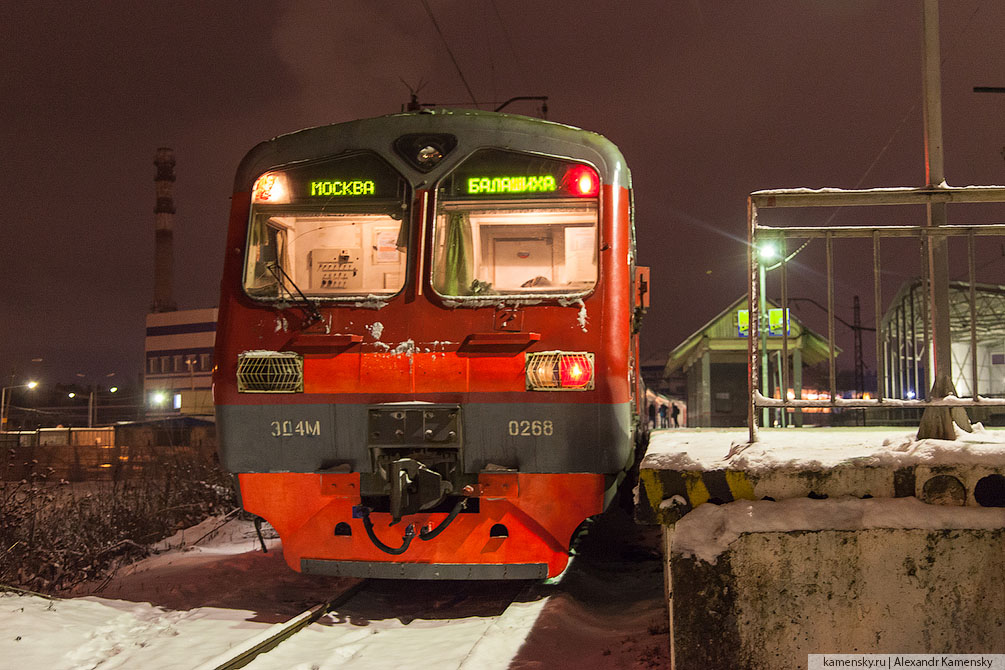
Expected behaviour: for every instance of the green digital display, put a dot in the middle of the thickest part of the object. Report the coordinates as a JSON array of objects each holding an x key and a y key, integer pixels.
[
  {"x": 509, "y": 185},
  {"x": 742, "y": 323},
  {"x": 352, "y": 187},
  {"x": 777, "y": 319}
]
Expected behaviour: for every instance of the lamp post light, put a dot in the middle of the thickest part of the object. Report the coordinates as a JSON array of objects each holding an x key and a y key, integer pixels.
[
  {"x": 3, "y": 401},
  {"x": 766, "y": 251},
  {"x": 92, "y": 405}
]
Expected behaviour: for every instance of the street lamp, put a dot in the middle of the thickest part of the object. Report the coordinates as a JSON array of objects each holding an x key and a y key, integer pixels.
[
  {"x": 3, "y": 401},
  {"x": 766, "y": 251},
  {"x": 92, "y": 405}
]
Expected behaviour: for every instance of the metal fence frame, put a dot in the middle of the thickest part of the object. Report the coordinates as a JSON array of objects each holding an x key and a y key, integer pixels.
[{"x": 807, "y": 198}]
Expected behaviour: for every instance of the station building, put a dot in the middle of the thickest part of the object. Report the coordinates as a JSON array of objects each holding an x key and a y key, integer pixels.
[{"x": 713, "y": 361}]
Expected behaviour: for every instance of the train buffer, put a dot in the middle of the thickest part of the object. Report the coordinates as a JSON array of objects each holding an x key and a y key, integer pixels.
[{"x": 827, "y": 540}]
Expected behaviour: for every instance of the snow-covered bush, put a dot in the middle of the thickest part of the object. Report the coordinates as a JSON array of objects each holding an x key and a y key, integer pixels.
[{"x": 55, "y": 535}]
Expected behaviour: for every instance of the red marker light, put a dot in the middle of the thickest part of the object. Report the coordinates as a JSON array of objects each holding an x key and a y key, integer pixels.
[
  {"x": 575, "y": 371},
  {"x": 582, "y": 181}
]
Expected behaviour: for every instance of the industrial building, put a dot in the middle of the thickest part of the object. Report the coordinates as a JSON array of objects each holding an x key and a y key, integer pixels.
[
  {"x": 177, "y": 376},
  {"x": 905, "y": 340}
]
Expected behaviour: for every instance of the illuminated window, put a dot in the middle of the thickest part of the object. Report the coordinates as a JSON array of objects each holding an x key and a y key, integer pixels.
[
  {"x": 516, "y": 224},
  {"x": 338, "y": 233}
]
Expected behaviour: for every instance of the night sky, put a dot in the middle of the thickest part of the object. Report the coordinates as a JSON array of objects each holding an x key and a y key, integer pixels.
[{"x": 707, "y": 100}]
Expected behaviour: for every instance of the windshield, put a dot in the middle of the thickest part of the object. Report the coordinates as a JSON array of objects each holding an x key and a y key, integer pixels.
[
  {"x": 328, "y": 230},
  {"x": 516, "y": 224}
]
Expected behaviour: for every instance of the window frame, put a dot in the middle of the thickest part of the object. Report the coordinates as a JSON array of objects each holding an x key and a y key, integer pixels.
[
  {"x": 388, "y": 207},
  {"x": 438, "y": 196}
]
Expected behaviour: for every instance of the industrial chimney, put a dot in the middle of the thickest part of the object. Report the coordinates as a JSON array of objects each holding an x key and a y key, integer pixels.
[{"x": 164, "y": 233}]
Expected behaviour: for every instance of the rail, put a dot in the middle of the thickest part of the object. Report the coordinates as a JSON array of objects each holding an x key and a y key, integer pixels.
[
  {"x": 245, "y": 652},
  {"x": 807, "y": 198}
]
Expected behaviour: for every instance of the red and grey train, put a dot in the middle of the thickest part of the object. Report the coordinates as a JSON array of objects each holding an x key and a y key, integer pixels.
[{"x": 427, "y": 343}]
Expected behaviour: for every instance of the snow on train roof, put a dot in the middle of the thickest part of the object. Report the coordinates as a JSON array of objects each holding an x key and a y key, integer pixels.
[{"x": 806, "y": 449}]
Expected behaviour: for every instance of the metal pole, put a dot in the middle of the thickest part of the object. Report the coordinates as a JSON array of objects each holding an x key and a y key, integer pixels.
[
  {"x": 937, "y": 422},
  {"x": 783, "y": 359},
  {"x": 878, "y": 310},
  {"x": 924, "y": 385},
  {"x": 973, "y": 314},
  {"x": 752, "y": 297},
  {"x": 832, "y": 385},
  {"x": 761, "y": 312},
  {"x": 938, "y": 250}
]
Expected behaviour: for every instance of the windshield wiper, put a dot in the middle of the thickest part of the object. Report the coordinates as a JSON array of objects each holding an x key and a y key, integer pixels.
[{"x": 308, "y": 305}]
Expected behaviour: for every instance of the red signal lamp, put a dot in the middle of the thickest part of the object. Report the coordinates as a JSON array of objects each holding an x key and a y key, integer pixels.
[
  {"x": 575, "y": 371},
  {"x": 560, "y": 371},
  {"x": 582, "y": 181}
]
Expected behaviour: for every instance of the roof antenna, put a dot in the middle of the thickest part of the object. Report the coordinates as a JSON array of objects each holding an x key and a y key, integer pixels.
[
  {"x": 413, "y": 105},
  {"x": 543, "y": 99}
]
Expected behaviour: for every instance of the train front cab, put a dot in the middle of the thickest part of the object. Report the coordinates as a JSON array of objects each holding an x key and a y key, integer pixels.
[{"x": 425, "y": 356}]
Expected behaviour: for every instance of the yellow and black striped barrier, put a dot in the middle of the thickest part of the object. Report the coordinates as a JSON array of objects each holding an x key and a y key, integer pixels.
[{"x": 666, "y": 495}]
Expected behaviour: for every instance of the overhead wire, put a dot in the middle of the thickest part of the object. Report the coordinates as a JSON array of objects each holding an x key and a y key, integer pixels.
[
  {"x": 889, "y": 142},
  {"x": 450, "y": 52},
  {"x": 509, "y": 42}
]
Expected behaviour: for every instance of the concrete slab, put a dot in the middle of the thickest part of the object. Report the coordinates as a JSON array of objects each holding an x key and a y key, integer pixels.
[
  {"x": 827, "y": 541},
  {"x": 763, "y": 584}
]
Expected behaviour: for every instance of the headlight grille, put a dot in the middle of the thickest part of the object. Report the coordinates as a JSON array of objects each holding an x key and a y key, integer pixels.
[
  {"x": 560, "y": 371},
  {"x": 270, "y": 372}
]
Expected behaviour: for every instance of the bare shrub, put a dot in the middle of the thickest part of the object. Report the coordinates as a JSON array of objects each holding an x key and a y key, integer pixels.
[{"x": 55, "y": 535}]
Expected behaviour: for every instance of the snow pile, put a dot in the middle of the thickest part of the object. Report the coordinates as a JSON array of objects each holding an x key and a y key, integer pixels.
[
  {"x": 217, "y": 534},
  {"x": 708, "y": 530},
  {"x": 818, "y": 448}
]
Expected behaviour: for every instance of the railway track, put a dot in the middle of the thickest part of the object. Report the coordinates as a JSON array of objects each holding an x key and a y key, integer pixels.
[{"x": 484, "y": 617}]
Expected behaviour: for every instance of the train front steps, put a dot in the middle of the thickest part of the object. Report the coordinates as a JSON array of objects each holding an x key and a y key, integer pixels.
[{"x": 827, "y": 541}]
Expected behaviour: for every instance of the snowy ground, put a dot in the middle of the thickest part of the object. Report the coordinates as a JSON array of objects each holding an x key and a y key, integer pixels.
[
  {"x": 816, "y": 448},
  {"x": 187, "y": 605}
]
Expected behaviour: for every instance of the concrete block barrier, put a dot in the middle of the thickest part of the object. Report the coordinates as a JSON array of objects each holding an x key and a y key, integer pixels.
[{"x": 758, "y": 585}]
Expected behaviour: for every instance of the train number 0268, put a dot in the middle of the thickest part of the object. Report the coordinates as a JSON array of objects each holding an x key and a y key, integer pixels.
[{"x": 531, "y": 428}]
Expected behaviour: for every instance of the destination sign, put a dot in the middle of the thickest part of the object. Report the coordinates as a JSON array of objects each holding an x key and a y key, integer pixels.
[
  {"x": 504, "y": 174},
  {"x": 359, "y": 176},
  {"x": 528, "y": 184},
  {"x": 350, "y": 188}
]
